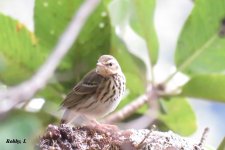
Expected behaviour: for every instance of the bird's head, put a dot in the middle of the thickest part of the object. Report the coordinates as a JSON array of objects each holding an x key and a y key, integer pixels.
[{"x": 107, "y": 65}]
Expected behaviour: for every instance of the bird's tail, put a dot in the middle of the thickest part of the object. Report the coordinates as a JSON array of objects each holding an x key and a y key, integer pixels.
[
  {"x": 75, "y": 118},
  {"x": 67, "y": 116}
]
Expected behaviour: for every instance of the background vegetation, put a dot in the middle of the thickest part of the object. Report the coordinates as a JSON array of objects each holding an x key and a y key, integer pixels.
[{"x": 200, "y": 55}]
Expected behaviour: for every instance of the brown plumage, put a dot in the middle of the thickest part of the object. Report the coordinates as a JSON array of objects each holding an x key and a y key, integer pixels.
[{"x": 98, "y": 93}]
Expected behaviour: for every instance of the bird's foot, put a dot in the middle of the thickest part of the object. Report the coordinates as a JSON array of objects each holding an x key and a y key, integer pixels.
[{"x": 108, "y": 129}]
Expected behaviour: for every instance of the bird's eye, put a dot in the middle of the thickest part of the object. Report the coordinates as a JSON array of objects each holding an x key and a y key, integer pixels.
[{"x": 110, "y": 64}]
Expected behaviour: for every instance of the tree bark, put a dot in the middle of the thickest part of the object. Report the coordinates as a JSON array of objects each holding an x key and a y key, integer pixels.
[{"x": 64, "y": 137}]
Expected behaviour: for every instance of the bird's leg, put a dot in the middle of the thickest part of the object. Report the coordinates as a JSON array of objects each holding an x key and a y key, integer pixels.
[{"x": 110, "y": 127}]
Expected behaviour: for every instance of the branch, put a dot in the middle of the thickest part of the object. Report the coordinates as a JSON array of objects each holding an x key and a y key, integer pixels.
[
  {"x": 146, "y": 120},
  {"x": 27, "y": 89},
  {"x": 126, "y": 111},
  {"x": 86, "y": 138}
]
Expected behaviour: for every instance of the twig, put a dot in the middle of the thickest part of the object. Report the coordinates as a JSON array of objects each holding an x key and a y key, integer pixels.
[
  {"x": 27, "y": 89},
  {"x": 127, "y": 110},
  {"x": 204, "y": 136},
  {"x": 141, "y": 143},
  {"x": 141, "y": 122}
]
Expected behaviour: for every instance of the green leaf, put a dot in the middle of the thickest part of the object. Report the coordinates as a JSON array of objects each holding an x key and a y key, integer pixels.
[
  {"x": 222, "y": 145},
  {"x": 179, "y": 117},
  {"x": 206, "y": 86},
  {"x": 51, "y": 19},
  {"x": 93, "y": 41},
  {"x": 20, "y": 52},
  {"x": 119, "y": 11},
  {"x": 143, "y": 22},
  {"x": 52, "y": 93},
  {"x": 139, "y": 15},
  {"x": 201, "y": 47}
]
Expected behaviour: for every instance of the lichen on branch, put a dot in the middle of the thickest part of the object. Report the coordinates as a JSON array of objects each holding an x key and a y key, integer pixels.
[{"x": 65, "y": 137}]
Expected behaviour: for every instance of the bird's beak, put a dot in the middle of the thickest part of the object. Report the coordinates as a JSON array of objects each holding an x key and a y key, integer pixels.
[{"x": 99, "y": 64}]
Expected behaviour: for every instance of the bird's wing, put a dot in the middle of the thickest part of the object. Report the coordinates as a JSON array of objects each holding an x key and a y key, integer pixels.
[
  {"x": 83, "y": 90},
  {"x": 89, "y": 83}
]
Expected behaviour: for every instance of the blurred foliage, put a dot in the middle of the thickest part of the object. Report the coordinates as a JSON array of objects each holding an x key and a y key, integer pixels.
[
  {"x": 19, "y": 49},
  {"x": 142, "y": 21},
  {"x": 93, "y": 41},
  {"x": 13, "y": 127},
  {"x": 200, "y": 54},
  {"x": 209, "y": 87},
  {"x": 178, "y": 115},
  {"x": 222, "y": 145},
  {"x": 57, "y": 15},
  {"x": 139, "y": 15},
  {"x": 134, "y": 75},
  {"x": 200, "y": 48},
  {"x": 200, "y": 51}
]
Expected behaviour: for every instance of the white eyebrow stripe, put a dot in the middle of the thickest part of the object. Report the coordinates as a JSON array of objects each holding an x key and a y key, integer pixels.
[{"x": 111, "y": 61}]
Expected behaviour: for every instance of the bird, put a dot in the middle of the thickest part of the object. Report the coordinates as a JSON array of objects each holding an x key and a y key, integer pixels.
[{"x": 97, "y": 94}]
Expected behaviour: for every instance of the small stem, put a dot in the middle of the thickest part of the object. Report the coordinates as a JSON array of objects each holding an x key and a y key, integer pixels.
[
  {"x": 141, "y": 143},
  {"x": 204, "y": 136},
  {"x": 152, "y": 74}
]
